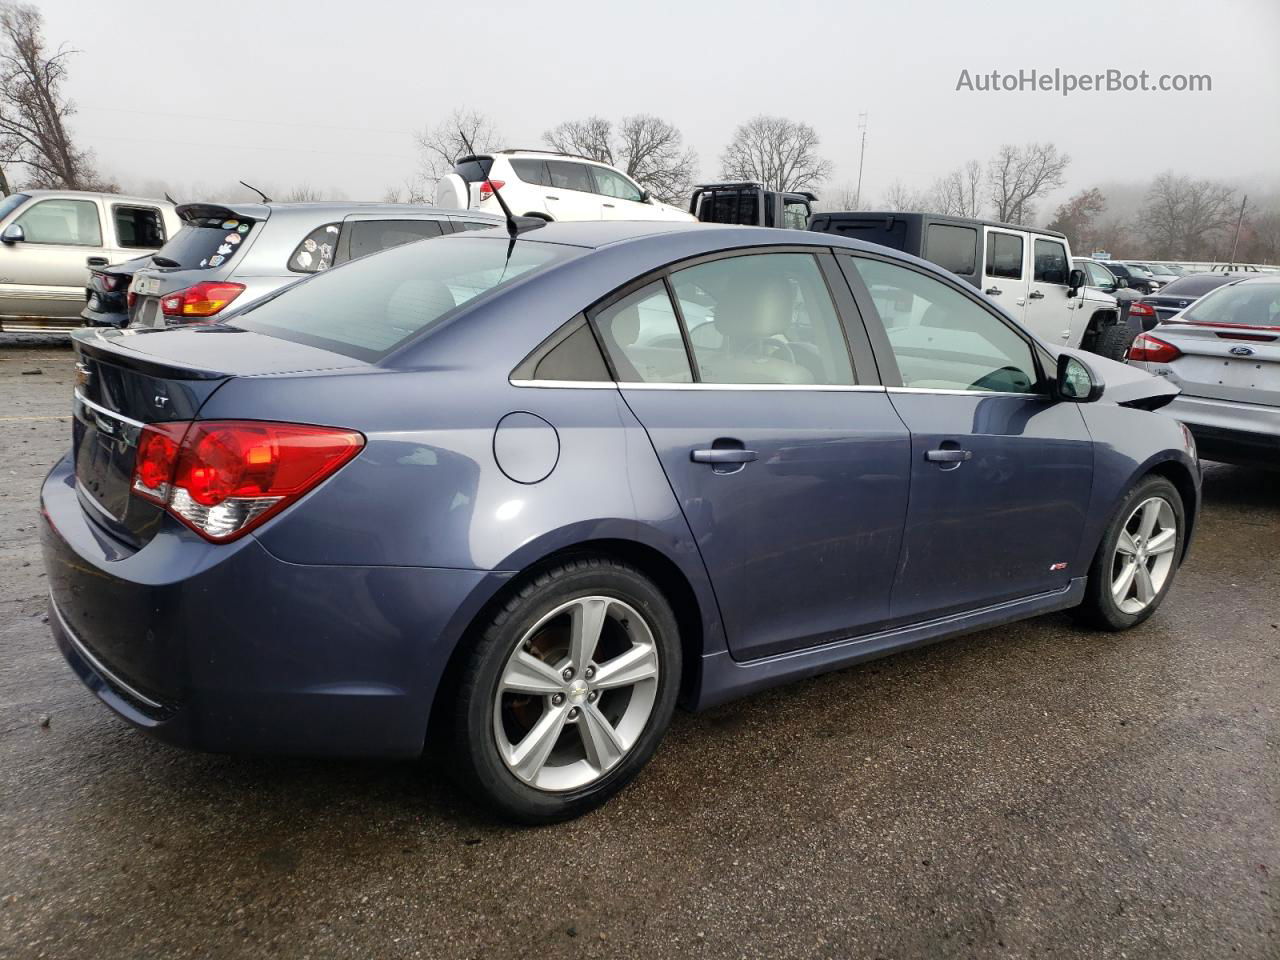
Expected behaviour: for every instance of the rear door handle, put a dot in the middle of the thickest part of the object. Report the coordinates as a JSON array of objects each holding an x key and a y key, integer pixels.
[
  {"x": 550, "y": 197},
  {"x": 1036, "y": 295},
  {"x": 96, "y": 261},
  {"x": 993, "y": 291},
  {"x": 948, "y": 456},
  {"x": 724, "y": 455},
  {"x": 609, "y": 205}
]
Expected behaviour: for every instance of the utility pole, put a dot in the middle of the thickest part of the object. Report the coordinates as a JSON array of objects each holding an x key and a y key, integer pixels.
[
  {"x": 1239, "y": 221},
  {"x": 862, "y": 125}
]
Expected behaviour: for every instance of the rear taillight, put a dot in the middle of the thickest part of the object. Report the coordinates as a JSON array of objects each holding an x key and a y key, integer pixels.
[
  {"x": 131, "y": 298},
  {"x": 203, "y": 300},
  {"x": 222, "y": 478},
  {"x": 109, "y": 283},
  {"x": 1140, "y": 309},
  {"x": 1149, "y": 349},
  {"x": 487, "y": 188}
]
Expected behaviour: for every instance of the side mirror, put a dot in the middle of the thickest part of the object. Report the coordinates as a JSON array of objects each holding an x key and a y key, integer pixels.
[
  {"x": 1121, "y": 282},
  {"x": 644, "y": 195},
  {"x": 13, "y": 233},
  {"x": 1075, "y": 280},
  {"x": 1076, "y": 382}
]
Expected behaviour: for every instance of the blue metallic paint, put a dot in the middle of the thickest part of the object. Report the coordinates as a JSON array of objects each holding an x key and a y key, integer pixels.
[{"x": 327, "y": 630}]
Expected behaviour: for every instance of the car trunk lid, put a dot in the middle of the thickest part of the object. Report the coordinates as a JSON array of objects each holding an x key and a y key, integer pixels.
[
  {"x": 1225, "y": 361},
  {"x": 126, "y": 380}
]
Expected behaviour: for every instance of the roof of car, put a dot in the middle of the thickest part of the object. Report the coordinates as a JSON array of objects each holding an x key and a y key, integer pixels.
[
  {"x": 870, "y": 215},
  {"x": 115, "y": 197}
]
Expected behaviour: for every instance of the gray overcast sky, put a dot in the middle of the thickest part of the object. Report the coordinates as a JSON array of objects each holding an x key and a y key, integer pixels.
[{"x": 329, "y": 93}]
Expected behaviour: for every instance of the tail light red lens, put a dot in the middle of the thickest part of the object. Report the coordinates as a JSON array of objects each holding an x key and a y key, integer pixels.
[
  {"x": 1149, "y": 349},
  {"x": 1140, "y": 309},
  {"x": 203, "y": 300},
  {"x": 487, "y": 188},
  {"x": 224, "y": 477},
  {"x": 109, "y": 283},
  {"x": 131, "y": 298}
]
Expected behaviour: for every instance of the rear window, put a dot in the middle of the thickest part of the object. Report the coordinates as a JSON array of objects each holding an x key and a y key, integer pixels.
[
  {"x": 473, "y": 169},
  {"x": 1247, "y": 304},
  {"x": 889, "y": 232},
  {"x": 730, "y": 206},
  {"x": 370, "y": 307},
  {"x": 207, "y": 242},
  {"x": 1196, "y": 285}
]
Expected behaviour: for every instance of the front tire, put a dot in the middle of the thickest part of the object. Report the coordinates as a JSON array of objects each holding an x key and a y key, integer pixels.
[
  {"x": 1136, "y": 562},
  {"x": 567, "y": 692}
]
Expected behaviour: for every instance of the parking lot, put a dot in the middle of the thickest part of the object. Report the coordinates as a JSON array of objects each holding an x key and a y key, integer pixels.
[{"x": 1036, "y": 790}]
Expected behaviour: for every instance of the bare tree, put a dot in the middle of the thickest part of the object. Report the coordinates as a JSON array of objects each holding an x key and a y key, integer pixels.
[
  {"x": 1076, "y": 217},
  {"x": 959, "y": 193},
  {"x": 843, "y": 196},
  {"x": 304, "y": 193},
  {"x": 33, "y": 111},
  {"x": 780, "y": 153},
  {"x": 1263, "y": 242},
  {"x": 442, "y": 145},
  {"x": 1187, "y": 218},
  {"x": 901, "y": 198},
  {"x": 648, "y": 149},
  {"x": 1018, "y": 176}
]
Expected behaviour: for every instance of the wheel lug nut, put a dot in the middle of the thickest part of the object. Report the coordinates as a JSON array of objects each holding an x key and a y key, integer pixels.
[
  {"x": 591, "y": 697},
  {"x": 568, "y": 673},
  {"x": 589, "y": 673},
  {"x": 573, "y": 713},
  {"x": 557, "y": 699}
]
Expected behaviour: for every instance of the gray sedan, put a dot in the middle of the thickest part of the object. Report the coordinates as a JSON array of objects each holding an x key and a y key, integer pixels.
[
  {"x": 1223, "y": 351},
  {"x": 227, "y": 256}
]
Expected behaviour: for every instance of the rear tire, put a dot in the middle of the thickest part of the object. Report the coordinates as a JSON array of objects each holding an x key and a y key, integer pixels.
[
  {"x": 549, "y": 722},
  {"x": 1146, "y": 534},
  {"x": 1114, "y": 341}
]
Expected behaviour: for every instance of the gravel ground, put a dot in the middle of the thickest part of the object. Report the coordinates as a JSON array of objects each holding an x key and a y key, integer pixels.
[{"x": 1032, "y": 791}]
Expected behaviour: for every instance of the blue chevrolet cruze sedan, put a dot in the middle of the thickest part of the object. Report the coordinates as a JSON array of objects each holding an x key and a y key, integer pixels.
[{"x": 526, "y": 494}]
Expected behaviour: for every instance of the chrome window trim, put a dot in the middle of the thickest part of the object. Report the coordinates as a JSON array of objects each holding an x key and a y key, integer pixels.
[
  {"x": 638, "y": 385},
  {"x": 110, "y": 413},
  {"x": 97, "y": 664},
  {"x": 963, "y": 393}
]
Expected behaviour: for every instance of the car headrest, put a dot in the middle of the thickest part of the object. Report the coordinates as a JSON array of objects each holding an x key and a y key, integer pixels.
[
  {"x": 756, "y": 307},
  {"x": 625, "y": 326}
]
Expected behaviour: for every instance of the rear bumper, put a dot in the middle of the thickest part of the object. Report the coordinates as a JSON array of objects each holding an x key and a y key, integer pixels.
[
  {"x": 229, "y": 649},
  {"x": 1229, "y": 431}
]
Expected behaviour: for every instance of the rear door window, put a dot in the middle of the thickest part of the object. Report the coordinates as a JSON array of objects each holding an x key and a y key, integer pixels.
[
  {"x": 532, "y": 171},
  {"x": 62, "y": 221},
  {"x": 1004, "y": 255},
  {"x": 953, "y": 248},
  {"x": 570, "y": 176},
  {"x": 207, "y": 242},
  {"x": 138, "y": 227},
  {"x": 372, "y": 236},
  {"x": 315, "y": 252},
  {"x": 641, "y": 334}
]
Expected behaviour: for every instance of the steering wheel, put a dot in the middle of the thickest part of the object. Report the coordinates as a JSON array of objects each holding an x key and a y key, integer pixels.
[{"x": 776, "y": 349}]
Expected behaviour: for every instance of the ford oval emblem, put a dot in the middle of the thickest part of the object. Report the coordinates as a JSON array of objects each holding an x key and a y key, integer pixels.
[{"x": 1242, "y": 351}]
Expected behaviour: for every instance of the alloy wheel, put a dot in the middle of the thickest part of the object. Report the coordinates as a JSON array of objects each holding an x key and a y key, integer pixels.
[
  {"x": 1144, "y": 555},
  {"x": 576, "y": 693}
]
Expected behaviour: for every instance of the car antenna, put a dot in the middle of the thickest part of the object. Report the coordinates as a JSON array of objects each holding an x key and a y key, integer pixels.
[
  {"x": 515, "y": 225},
  {"x": 170, "y": 199},
  {"x": 265, "y": 198}
]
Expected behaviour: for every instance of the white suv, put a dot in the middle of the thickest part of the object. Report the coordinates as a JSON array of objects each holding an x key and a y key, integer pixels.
[{"x": 553, "y": 186}]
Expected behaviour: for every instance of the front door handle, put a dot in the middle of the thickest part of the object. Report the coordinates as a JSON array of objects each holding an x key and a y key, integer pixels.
[
  {"x": 550, "y": 197},
  {"x": 609, "y": 205},
  {"x": 948, "y": 456},
  {"x": 993, "y": 291},
  {"x": 724, "y": 455},
  {"x": 96, "y": 261},
  {"x": 1036, "y": 295}
]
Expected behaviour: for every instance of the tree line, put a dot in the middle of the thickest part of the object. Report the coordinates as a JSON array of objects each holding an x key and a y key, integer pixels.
[{"x": 1181, "y": 217}]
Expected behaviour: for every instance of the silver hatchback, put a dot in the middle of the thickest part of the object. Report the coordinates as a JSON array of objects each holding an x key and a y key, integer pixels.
[
  {"x": 227, "y": 256},
  {"x": 1223, "y": 351}
]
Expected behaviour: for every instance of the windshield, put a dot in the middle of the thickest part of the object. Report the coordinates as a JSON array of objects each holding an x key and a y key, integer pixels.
[
  {"x": 12, "y": 203},
  {"x": 1246, "y": 304},
  {"x": 369, "y": 307}
]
